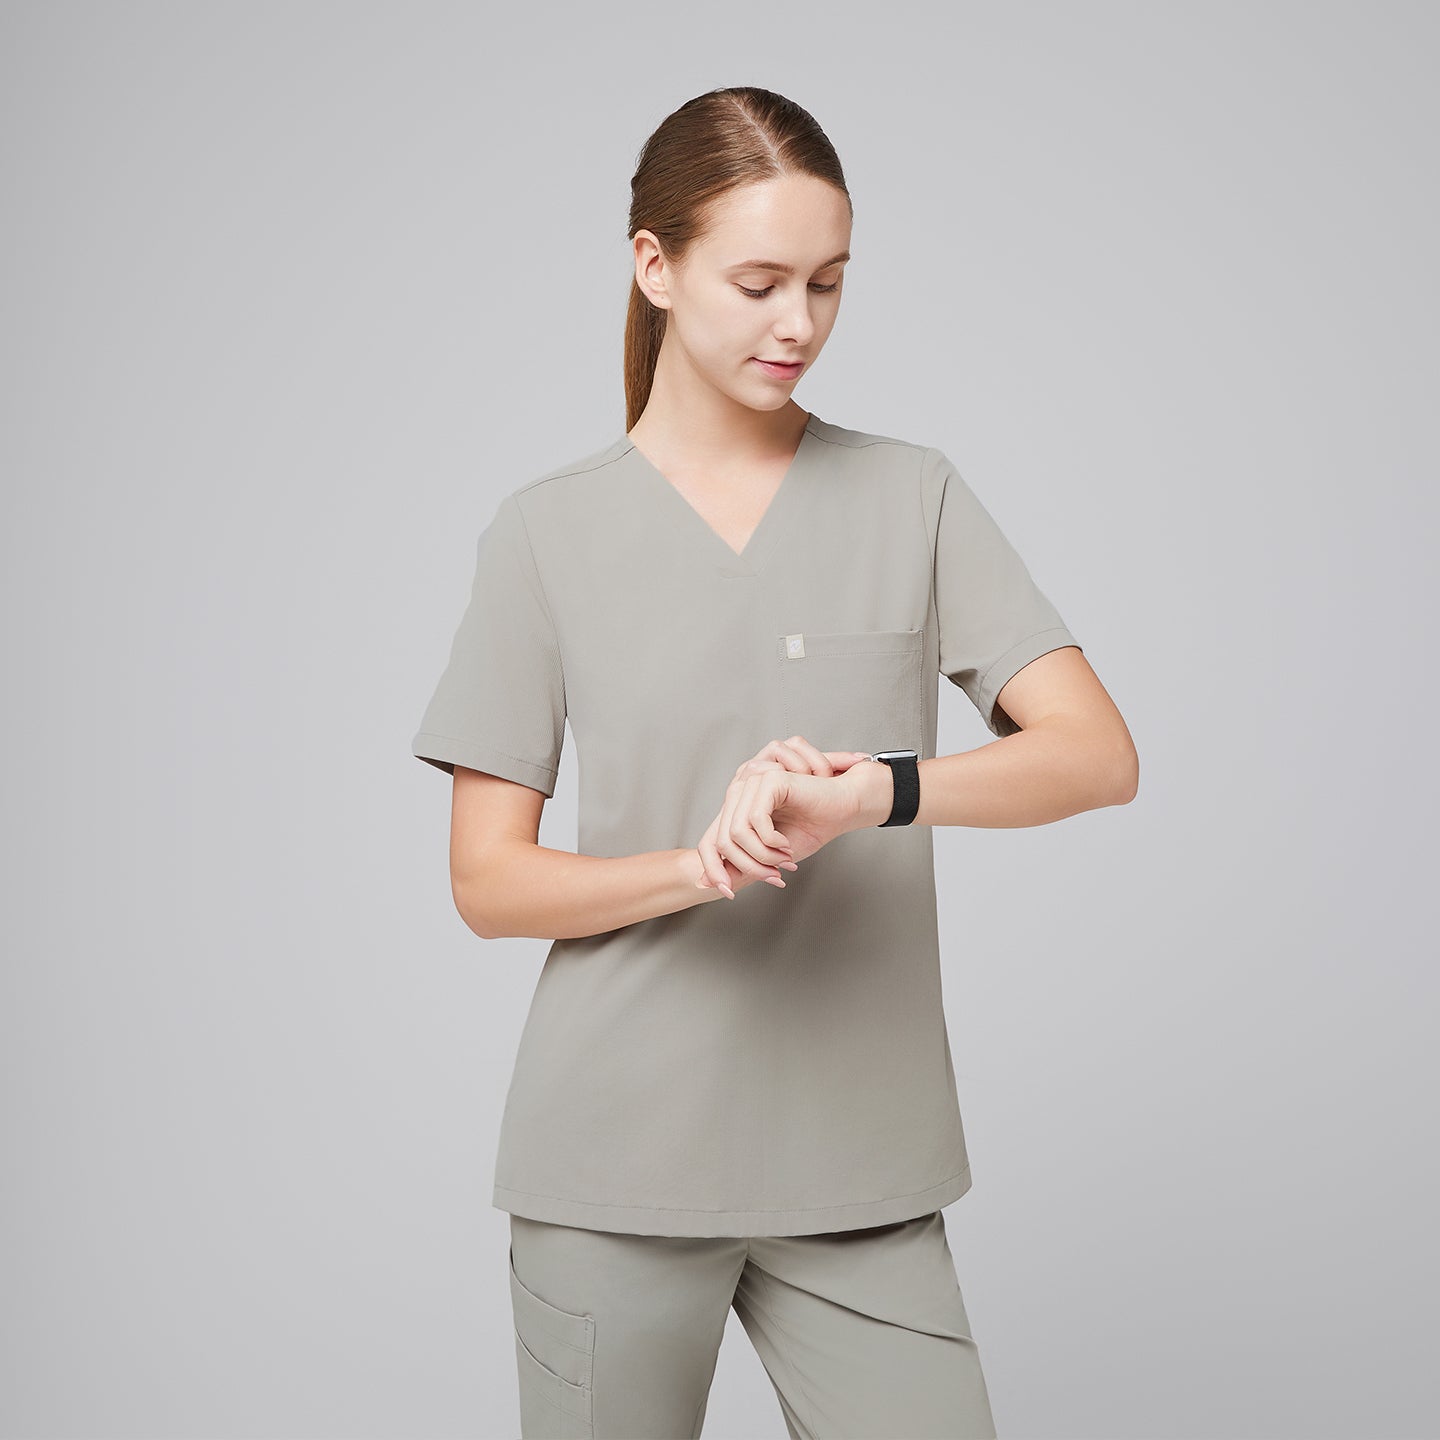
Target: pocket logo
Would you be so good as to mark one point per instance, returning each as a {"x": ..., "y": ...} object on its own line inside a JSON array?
[{"x": 795, "y": 647}]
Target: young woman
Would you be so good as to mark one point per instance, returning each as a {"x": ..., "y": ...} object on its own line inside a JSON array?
[{"x": 724, "y": 1098}]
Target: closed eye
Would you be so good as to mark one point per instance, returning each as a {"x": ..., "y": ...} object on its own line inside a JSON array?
[{"x": 761, "y": 294}]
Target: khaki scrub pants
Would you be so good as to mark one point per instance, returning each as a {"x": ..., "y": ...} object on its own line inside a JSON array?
[{"x": 863, "y": 1332}]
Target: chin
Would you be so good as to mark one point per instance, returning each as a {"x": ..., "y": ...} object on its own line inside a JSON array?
[{"x": 771, "y": 398}]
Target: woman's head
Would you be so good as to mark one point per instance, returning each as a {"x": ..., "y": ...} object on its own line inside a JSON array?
[{"x": 731, "y": 177}]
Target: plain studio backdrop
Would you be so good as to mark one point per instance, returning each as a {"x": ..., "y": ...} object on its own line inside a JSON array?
[{"x": 294, "y": 293}]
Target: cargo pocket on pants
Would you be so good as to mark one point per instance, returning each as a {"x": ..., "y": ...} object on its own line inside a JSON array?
[{"x": 555, "y": 1354}]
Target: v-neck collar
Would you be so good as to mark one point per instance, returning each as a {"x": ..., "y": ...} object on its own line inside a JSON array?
[{"x": 752, "y": 557}]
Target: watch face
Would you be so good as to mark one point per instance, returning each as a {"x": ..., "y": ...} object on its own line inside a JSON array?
[{"x": 895, "y": 755}]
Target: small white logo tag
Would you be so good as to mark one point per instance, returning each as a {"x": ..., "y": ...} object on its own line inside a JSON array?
[{"x": 795, "y": 647}]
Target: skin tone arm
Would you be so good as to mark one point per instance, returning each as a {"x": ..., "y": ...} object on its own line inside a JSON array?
[
  {"x": 1073, "y": 754},
  {"x": 506, "y": 883}
]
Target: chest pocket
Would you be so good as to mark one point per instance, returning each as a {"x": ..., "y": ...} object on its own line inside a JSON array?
[{"x": 853, "y": 689}]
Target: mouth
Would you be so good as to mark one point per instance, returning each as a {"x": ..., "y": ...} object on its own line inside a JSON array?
[{"x": 784, "y": 369}]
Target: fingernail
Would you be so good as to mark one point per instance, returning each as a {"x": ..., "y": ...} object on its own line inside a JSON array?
[
  {"x": 788, "y": 865},
  {"x": 728, "y": 891},
  {"x": 776, "y": 881}
]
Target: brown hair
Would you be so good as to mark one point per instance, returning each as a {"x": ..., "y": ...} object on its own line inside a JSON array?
[{"x": 711, "y": 144}]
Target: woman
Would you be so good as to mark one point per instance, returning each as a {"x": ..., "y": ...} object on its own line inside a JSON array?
[{"x": 739, "y": 606}]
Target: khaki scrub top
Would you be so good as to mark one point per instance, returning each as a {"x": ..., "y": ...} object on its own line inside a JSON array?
[{"x": 776, "y": 1064}]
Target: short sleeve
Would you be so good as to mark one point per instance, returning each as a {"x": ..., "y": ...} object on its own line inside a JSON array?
[
  {"x": 993, "y": 618},
  {"x": 499, "y": 705}
]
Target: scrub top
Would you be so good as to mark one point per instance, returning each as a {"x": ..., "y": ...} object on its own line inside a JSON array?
[{"x": 776, "y": 1064}]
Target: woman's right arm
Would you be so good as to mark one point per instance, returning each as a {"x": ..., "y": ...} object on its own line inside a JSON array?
[{"x": 505, "y": 883}]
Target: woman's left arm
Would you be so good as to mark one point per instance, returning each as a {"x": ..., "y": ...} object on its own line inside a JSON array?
[{"x": 1072, "y": 753}]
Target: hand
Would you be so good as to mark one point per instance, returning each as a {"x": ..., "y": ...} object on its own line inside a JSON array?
[{"x": 777, "y": 812}]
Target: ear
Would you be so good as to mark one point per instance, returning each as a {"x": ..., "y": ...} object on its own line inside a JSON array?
[{"x": 650, "y": 269}]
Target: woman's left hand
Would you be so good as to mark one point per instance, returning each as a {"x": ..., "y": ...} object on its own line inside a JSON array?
[{"x": 779, "y": 809}]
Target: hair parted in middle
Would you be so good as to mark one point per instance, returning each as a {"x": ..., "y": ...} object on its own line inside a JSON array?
[{"x": 712, "y": 144}]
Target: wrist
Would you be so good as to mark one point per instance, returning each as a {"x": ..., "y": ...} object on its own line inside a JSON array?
[{"x": 874, "y": 793}]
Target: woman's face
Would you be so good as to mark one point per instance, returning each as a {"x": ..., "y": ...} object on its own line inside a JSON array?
[{"x": 731, "y": 307}]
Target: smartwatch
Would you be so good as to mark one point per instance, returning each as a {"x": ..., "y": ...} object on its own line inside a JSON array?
[{"x": 905, "y": 772}]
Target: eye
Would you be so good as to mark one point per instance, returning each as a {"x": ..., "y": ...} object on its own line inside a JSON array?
[{"x": 761, "y": 294}]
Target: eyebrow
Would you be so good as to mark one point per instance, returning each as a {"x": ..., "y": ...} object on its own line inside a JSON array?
[{"x": 781, "y": 269}]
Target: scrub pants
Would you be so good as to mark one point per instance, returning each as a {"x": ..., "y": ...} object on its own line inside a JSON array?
[{"x": 862, "y": 1332}]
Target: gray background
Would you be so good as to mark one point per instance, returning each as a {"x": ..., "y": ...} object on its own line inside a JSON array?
[{"x": 294, "y": 293}]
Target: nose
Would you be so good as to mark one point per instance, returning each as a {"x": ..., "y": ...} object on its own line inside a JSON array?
[{"x": 795, "y": 327}]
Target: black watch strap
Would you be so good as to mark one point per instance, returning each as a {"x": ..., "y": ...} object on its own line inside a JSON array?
[{"x": 905, "y": 772}]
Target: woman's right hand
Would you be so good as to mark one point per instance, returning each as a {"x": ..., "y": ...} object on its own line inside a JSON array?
[{"x": 799, "y": 757}]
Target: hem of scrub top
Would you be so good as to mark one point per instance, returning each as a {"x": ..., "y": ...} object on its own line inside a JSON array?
[{"x": 648, "y": 1220}]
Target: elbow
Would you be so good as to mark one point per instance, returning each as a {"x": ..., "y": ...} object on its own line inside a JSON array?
[
  {"x": 1125, "y": 776},
  {"x": 1104, "y": 766},
  {"x": 483, "y": 892},
  {"x": 496, "y": 901},
  {"x": 477, "y": 917}
]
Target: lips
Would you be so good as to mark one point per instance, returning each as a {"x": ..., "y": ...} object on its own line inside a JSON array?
[{"x": 780, "y": 369}]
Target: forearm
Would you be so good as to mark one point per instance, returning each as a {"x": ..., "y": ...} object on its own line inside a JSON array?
[
  {"x": 549, "y": 894},
  {"x": 1053, "y": 769}
]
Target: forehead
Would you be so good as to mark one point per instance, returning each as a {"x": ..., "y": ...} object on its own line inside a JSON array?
[{"x": 792, "y": 220}]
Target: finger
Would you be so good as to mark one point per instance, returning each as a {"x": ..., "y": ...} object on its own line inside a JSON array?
[
  {"x": 730, "y": 812},
  {"x": 775, "y": 755},
  {"x": 731, "y": 816},
  {"x": 711, "y": 867},
  {"x": 714, "y": 865},
  {"x": 756, "y": 763},
  {"x": 760, "y": 757},
  {"x": 732, "y": 845},
  {"x": 735, "y": 854},
  {"x": 755, "y": 831},
  {"x": 775, "y": 843},
  {"x": 776, "y": 860},
  {"x": 817, "y": 761},
  {"x": 742, "y": 844},
  {"x": 766, "y": 829},
  {"x": 727, "y": 809},
  {"x": 729, "y": 874},
  {"x": 791, "y": 758}
]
